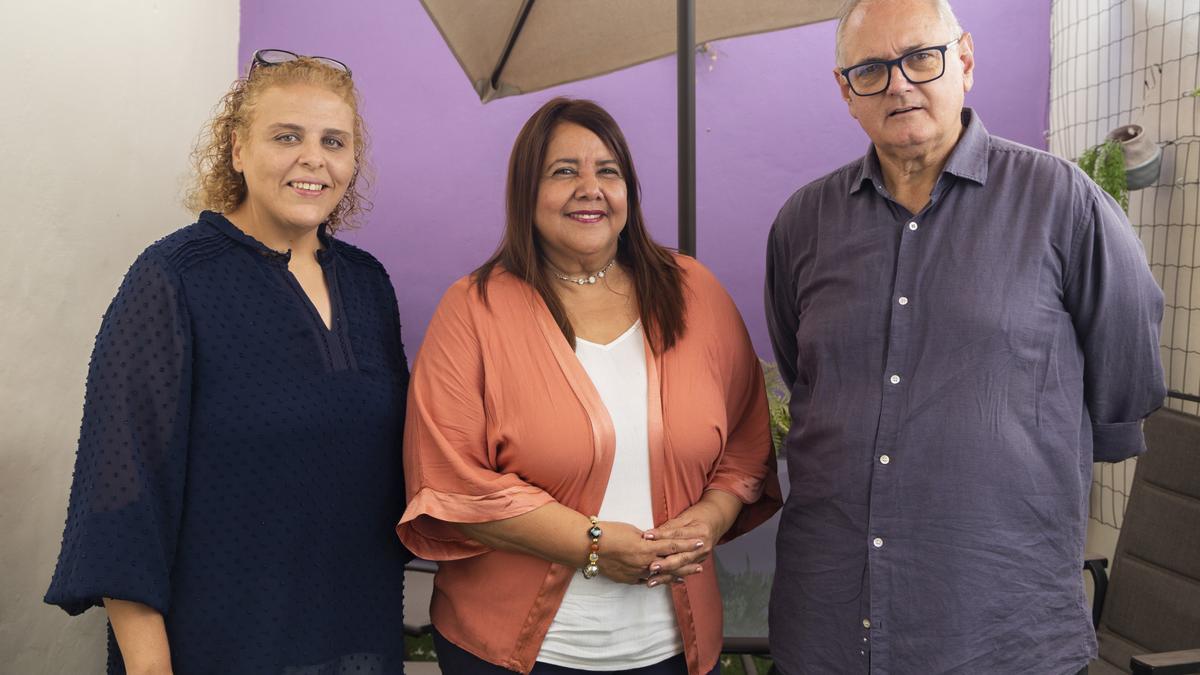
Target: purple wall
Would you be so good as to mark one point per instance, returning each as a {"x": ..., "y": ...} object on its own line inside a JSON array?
[{"x": 769, "y": 119}]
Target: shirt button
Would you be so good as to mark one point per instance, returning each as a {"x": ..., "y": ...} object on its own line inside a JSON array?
[
  {"x": 895, "y": 379},
  {"x": 866, "y": 623},
  {"x": 884, "y": 459},
  {"x": 912, "y": 226},
  {"x": 877, "y": 542},
  {"x": 903, "y": 300}
]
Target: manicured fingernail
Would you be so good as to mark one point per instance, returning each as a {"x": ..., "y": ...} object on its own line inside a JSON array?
[
  {"x": 699, "y": 544},
  {"x": 678, "y": 580},
  {"x": 655, "y": 567},
  {"x": 649, "y": 535},
  {"x": 652, "y": 584},
  {"x": 699, "y": 569}
]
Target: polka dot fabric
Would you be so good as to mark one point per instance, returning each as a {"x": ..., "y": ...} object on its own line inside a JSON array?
[{"x": 239, "y": 464}]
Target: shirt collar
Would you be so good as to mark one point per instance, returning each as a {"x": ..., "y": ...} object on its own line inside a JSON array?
[
  {"x": 227, "y": 228},
  {"x": 968, "y": 159}
]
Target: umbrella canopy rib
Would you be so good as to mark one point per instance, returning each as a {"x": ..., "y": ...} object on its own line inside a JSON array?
[{"x": 512, "y": 40}]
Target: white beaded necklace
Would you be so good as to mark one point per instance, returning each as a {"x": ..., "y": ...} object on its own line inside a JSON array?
[{"x": 586, "y": 278}]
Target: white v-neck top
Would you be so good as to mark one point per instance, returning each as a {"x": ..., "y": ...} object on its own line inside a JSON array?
[{"x": 601, "y": 624}]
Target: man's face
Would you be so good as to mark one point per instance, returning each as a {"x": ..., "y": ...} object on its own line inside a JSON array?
[{"x": 906, "y": 120}]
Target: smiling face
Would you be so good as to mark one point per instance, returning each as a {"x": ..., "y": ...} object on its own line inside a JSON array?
[
  {"x": 581, "y": 200},
  {"x": 297, "y": 157},
  {"x": 907, "y": 120}
]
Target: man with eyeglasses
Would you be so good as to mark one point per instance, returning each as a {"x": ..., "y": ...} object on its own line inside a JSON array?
[{"x": 965, "y": 324}]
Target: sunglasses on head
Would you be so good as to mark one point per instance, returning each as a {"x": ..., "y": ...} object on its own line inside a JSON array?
[{"x": 274, "y": 57}]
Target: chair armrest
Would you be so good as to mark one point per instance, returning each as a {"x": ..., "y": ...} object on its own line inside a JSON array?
[
  {"x": 421, "y": 565},
  {"x": 415, "y": 631},
  {"x": 1097, "y": 566},
  {"x": 746, "y": 645},
  {"x": 1184, "y": 662}
]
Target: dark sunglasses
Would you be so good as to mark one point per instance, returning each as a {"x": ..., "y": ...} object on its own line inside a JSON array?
[{"x": 274, "y": 57}]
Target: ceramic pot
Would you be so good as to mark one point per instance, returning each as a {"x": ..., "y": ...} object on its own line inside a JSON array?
[{"x": 1143, "y": 158}]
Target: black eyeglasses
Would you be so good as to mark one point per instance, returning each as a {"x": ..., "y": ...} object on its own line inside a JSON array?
[
  {"x": 274, "y": 57},
  {"x": 918, "y": 67}
]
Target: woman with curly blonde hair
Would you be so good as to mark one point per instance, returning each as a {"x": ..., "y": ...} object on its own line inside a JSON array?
[{"x": 238, "y": 470}]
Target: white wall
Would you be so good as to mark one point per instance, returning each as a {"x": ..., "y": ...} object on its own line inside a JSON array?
[{"x": 99, "y": 105}]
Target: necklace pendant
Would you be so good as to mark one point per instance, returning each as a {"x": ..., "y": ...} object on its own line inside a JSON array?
[{"x": 591, "y": 280}]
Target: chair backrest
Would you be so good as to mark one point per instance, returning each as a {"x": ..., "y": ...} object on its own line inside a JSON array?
[{"x": 1153, "y": 602}]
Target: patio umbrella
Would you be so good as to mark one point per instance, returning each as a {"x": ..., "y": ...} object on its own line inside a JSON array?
[{"x": 511, "y": 47}]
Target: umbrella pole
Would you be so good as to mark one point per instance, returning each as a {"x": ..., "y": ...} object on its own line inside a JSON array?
[{"x": 686, "y": 37}]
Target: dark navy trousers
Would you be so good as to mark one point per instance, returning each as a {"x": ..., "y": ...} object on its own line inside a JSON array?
[{"x": 454, "y": 660}]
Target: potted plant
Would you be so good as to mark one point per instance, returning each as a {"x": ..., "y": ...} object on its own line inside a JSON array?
[
  {"x": 1126, "y": 160},
  {"x": 1143, "y": 159},
  {"x": 1105, "y": 164}
]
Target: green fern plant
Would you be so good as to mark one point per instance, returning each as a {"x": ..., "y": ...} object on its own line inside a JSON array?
[
  {"x": 745, "y": 593},
  {"x": 778, "y": 398},
  {"x": 1105, "y": 164}
]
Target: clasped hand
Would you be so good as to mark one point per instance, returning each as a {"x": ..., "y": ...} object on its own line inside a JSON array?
[{"x": 669, "y": 552}]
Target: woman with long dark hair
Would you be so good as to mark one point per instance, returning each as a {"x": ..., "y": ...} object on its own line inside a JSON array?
[{"x": 587, "y": 420}]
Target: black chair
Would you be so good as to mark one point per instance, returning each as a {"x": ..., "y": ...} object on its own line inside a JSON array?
[
  {"x": 1147, "y": 613},
  {"x": 745, "y": 649}
]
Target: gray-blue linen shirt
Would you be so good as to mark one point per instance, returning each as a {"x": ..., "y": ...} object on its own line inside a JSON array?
[{"x": 954, "y": 374}]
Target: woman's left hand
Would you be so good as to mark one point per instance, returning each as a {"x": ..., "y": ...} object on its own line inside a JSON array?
[{"x": 695, "y": 531}]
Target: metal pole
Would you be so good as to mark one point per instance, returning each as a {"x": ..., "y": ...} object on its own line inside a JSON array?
[{"x": 685, "y": 31}]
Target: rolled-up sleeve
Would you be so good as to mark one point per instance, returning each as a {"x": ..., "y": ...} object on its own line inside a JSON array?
[
  {"x": 1116, "y": 308},
  {"x": 126, "y": 501},
  {"x": 450, "y": 446}
]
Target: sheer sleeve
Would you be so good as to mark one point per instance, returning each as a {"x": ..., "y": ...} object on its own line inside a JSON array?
[
  {"x": 126, "y": 496},
  {"x": 401, "y": 360}
]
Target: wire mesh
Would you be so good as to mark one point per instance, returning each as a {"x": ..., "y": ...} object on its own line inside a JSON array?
[{"x": 1117, "y": 62}]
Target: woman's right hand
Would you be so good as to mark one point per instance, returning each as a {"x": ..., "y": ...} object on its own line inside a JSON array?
[{"x": 626, "y": 555}]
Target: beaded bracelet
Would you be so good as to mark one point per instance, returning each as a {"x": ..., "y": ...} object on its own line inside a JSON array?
[{"x": 591, "y": 570}]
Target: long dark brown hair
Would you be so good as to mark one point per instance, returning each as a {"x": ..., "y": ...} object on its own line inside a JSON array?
[{"x": 657, "y": 278}]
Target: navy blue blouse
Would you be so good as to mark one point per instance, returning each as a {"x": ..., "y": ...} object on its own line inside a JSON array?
[{"x": 239, "y": 465}]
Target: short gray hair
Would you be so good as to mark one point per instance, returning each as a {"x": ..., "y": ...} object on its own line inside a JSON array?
[{"x": 945, "y": 13}]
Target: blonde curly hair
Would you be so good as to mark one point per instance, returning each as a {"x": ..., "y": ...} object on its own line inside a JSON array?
[{"x": 217, "y": 186}]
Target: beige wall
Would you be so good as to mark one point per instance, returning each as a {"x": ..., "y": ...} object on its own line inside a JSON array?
[{"x": 100, "y": 104}]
